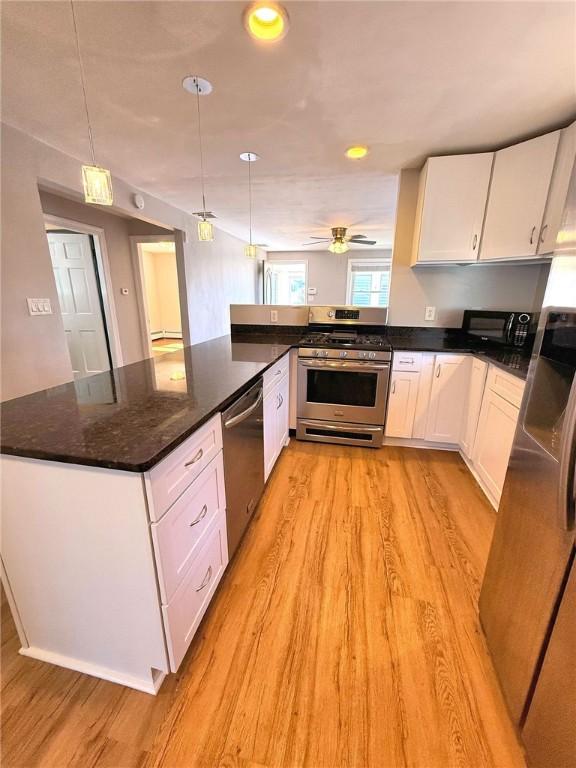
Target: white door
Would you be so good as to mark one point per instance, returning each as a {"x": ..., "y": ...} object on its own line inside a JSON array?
[
  {"x": 452, "y": 200},
  {"x": 517, "y": 198},
  {"x": 479, "y": 369},
  {"x": 402, "y": 404},
  {"x": 80, "y": 304},
  {"x": 447, "y": 399},
  {"x": 494, "y": 437}
]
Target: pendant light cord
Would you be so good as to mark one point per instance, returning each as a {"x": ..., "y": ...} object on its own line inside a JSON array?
[
  {"x": 83, "y": 81},
  {"x": 250, "y": 194},
  {"x": 201, "y": 153}
]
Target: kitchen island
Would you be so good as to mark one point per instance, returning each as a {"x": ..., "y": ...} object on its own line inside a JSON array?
[{"x": 114, "y": 510}]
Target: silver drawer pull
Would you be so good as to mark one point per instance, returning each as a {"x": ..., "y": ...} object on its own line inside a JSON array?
[
  {"x": 280, "y": 401},
  {"x": 206, "y": 579},
  {"x": 201, "y": 516},
  {"x": 195, "y": 459},
  {"x": 393, "y": 387},
  {"x": 278, "y": 372},
  {"x": 542, "y": 233},
  {"x": 532, "y": 235},
  {"x": 406, "y": 362},
  {"x": 438, "y": 369}
]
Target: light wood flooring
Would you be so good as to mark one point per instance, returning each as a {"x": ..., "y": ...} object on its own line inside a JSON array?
[{"x": 344, "y": 635}]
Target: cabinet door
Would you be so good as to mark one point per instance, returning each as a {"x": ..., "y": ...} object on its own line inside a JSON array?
[
  {"x": 478, "y": 372},
  {"x": 517, "y": 198},
  {"x": 402, "y": 404},
  {"x": 452, "y": 200},
  {"x": 283, "y": 414},
  {"x": 494, "y": 437},
  {"x": 270, "y": 431},
  {"x": 447, "y": 399},
  {"x": 558, "y": 189}
]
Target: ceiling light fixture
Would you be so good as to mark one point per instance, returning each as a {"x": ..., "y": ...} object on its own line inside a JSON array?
[
  {"x": 96, "y": 180},
  {"x": 250, "y": 250},
  {"x": 200, "y": 87},
  {"x": 338, "y": 246},
  {"x": 356, "y": 152},
  {"x": 266, "y": 21}
]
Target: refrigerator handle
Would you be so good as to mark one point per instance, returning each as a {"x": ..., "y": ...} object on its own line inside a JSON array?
[{"x": 567, "y": 475}]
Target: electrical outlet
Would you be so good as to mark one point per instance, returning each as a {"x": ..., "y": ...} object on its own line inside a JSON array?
[
  {"x": 430, "y": 313},
  {"x": 273, "y": 315},
  {"x": 39, "y": 306}
]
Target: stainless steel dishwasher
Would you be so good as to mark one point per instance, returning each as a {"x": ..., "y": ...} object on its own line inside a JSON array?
[{"x": 243, "y": 435}]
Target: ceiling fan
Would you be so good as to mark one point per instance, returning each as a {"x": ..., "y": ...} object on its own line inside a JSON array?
[{"x": 339, "y": 240}]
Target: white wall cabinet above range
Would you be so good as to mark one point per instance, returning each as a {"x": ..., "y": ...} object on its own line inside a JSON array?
[
  {"x": 517, "y": 199},
  {"x": 276, "y": 412},
  {"x": 558, "y": 190},
  {"x": 451, "y": 203}
]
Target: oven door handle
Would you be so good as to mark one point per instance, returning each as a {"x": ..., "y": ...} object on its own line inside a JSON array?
[
  {"x": 338, "y": 427},
  {"x": 347, "y": 366}
]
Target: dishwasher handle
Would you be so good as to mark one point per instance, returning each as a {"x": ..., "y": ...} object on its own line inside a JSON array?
[{"x": 229, "y": 423}]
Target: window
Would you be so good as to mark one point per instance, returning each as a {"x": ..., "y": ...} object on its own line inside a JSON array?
[
  {"x": 285, "y": 282},
  {"x": 368, "y": 282}
]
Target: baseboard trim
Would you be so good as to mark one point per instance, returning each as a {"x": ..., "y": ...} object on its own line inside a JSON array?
[
  {"x": 493, "y": 501},
  {"x": 146, "y": 685},
  {"x": 405, "y": 442}
]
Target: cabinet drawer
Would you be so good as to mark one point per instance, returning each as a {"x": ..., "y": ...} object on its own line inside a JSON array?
[
  {"x": 169, "y": 478},
  {"x": 184, "y": 612},
  {"x": 277, "y": 372},
  {"x": 179, "y": 534},
  {"x": 406, "y": 361},
  {"x": 506, "y": 385}
]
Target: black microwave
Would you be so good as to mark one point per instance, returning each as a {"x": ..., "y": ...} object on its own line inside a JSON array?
[{"x": 513, "y": 329}]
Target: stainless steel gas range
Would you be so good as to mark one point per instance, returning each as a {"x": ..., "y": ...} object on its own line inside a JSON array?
[{"x": 343, "y": 373}]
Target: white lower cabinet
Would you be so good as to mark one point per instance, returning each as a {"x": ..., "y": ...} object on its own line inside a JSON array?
[
  {"x": 447, "y": 398},
  {"x": 402, "y": 404},
  {"x": 494, "y": 437},
  {"x": 478, "y": 371},
  {"x": 276, "y": 413}
]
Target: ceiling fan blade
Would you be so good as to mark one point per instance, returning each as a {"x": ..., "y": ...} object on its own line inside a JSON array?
[
  {"x": 316, "y": 242},
  {"x": 358, "y": 237},
  {"x": 314, "y": 237},
  {"x": 364, "y": 242}
]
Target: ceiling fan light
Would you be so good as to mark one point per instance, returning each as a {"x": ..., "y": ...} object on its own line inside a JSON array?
[
  {"x": 97, "y": 184},
  {"x": 205, "y": 231},
  {"x": 267, "y": 21},
  {"x": 250, "y": 251},
  {"x": 338, "y": 247}
]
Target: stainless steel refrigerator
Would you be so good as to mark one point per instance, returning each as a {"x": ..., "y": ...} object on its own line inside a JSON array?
[{"x": 526, "y": 601}]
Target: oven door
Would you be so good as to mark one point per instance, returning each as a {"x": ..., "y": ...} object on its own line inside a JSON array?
[{"x": 334, "y": 390}]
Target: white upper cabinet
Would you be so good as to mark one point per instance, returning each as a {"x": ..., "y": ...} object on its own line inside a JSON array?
[
  {"x": 451, "y": 205},
  {"x": 558, "y": 190},
  {"x": 517, "y": 198}
]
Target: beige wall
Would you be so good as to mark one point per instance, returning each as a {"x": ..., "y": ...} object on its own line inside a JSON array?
[
  {"x": 452, "y": 289},
  {"x": 161, "y": 281},
  {"x": 34, "y": 351},
  {"x": 327, "y": 272}
]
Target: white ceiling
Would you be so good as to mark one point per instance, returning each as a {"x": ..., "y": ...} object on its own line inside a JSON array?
[{"x": 408, "y": 78}]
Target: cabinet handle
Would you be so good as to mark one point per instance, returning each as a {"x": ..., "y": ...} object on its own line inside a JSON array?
[
  {"x": 195, "y": 459},
  {"x": 393, "y": 387},
  {"x": 474, "y": 242},
  {"x": 280, "y": 401},
  {"x": 542, "y": 231},
  {"x": 406, "y": 362},
  {"x": 201, "y": 516},
  {"x": 438, "y": 367},
  {"x": 206, "y": 579},
  {"x": 278, "y": 372},
  {"x": 532, "y": 235}
]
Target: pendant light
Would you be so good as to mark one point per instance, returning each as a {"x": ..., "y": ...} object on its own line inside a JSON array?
[
  {"x": 200, "y": 87},
  {"x": 96, "y": 180},
  {"x": 250, "y": 157}
]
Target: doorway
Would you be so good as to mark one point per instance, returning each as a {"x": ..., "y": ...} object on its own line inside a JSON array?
[
  {"x": 80, "y": 266},
  {"x": 161, "y": 319}
]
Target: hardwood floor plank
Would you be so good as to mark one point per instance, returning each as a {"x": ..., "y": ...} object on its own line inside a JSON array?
[{"x": 344, "y": 634}]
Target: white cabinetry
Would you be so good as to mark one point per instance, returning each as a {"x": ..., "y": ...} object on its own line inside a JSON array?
[
  {"x": 451, "y": 204},
  {"x": 558, "y": 189},
  {"x": 402, "y": 403},
  {"x": 517, "y": 198},
  {"x": 447, "y": 398},
  {"x": 495, "y": 432},
  {"x": 276, "y": 412},
  {"x": 478, "y": 371}
]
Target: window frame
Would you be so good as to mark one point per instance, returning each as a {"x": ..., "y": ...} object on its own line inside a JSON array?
[
  {"x": 376, "y": 260},
  {"x": 288, "y": 261}
]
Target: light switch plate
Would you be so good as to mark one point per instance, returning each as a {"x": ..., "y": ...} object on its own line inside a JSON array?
[
  {"x": 273, "y": 315},
  {"x": 430, "y": 313},
  {"x": 39, "y": 306}
]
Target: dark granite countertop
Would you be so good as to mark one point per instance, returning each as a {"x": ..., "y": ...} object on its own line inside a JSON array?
[{"x": 133, "y": 416}]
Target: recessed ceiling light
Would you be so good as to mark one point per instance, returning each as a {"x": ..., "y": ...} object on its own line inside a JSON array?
[
  {"x": 356, "y": 152},
  {"x": 266, "y": 21}
]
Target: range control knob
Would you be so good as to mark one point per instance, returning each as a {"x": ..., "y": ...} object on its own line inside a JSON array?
[
  {"x": 372, "y": 355},
  {"x": 343, "y": 353},
  {"x": 331, "y": 313},
  {"x": 523, "y": 318},
  {"x": 362, "y": 355},
  {"x": 317, "y": 352}
]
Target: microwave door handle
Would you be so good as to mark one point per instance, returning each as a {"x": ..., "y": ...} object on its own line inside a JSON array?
[{"x": 508, "y": 331}]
